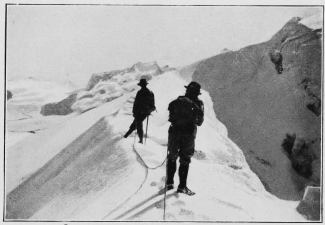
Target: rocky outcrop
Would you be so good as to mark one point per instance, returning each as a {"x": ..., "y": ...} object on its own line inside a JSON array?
[
  {"x": 60, "y": 108},
  {"x": 310, "y": 206},
  {"x": 304, "y": 156},
  {"x": 9, "y": 95},
  {"x": 225, "y": 50},
  {"x": 265, "y": 91}
]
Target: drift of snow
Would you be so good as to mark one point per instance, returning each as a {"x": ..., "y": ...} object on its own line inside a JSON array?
[{"x": 83, "y": 169}]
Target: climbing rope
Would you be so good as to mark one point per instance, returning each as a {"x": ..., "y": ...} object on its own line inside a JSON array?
[
  {"x": 135, "y": 136},
  {"x": 147, "y": 169},
  {"x": 143, "y": 162}
]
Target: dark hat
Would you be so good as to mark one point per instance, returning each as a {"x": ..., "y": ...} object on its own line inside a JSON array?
[
  {"x": 142, "y": 82},
  {"x": 194, "y": 87}
]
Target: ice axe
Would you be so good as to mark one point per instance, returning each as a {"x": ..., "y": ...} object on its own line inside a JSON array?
[{"x": 145, "y": 138}]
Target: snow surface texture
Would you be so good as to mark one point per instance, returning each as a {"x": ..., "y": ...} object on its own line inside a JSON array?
[{"x": 83, "y": 169}]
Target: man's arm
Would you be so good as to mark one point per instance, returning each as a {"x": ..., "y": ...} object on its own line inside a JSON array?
[
  {"x": 152, "y": 101},
  {"x": 199, "y": 113}
]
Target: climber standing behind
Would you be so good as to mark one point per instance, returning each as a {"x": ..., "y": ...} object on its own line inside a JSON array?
[
  {"x": 185, "y": 114},
  {"x": 144, "y": 104}
]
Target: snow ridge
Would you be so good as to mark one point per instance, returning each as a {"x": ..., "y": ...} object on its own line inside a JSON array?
[{"x": 87, "y": 171}]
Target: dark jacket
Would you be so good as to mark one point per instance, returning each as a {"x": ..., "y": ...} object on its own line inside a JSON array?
[
  {"x": 186, "y": 114},
  {"x": 144, "y": 102}
]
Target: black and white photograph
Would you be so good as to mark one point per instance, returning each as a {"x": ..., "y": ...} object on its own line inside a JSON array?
[{"x": 163, "y": 111}]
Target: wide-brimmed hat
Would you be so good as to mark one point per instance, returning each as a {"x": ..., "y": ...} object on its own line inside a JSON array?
[
  {"x": 142, "y": 82},
  {"x": 194, "y": 87}
]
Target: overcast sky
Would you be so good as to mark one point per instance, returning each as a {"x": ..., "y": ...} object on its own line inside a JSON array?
[{"x": 73, "y": 42}]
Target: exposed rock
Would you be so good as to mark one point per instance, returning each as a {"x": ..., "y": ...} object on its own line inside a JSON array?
[
  {"x": 263, "y": 161},
  {"x": 302, "y": 158},
  {"x": 276, "y": 58},
  {"x": 315, "y": 106},
  {"x": 9, "y": 95},
  {"x": 60, "y": 108},
  {"x": 225, "y": 50},
  {"x": 288, "y": 143},
  {"x": 310, "y": 206},
  {"x": 259, "y": 106}
]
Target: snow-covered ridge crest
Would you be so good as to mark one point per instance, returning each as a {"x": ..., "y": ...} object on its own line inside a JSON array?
[{"x": 86, "y": 170}]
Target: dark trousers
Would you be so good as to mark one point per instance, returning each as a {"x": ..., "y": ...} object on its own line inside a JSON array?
[
  {"x": 179, "y": 145},
  {"x": 137, "y": 124}
]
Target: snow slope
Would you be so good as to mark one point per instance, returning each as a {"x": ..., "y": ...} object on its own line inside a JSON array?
[{"x": 83, "y": 169}]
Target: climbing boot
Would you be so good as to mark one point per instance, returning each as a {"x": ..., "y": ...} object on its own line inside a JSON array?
[
  {"x": 185, "y": 191},
  {"x": 141, "y": 138}
]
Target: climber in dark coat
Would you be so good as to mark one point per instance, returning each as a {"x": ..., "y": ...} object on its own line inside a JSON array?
[
  {"x": 144, "y": 104},
  {"x": 185, "y": 114}
]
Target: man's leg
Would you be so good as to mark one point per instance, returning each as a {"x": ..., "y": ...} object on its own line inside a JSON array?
[
  {"x": 186, "y": 152},
  {"x": 139, "y": 121},
  {"x": 171, "y": 169},
  {"x": 183, "y": 172},
  {"x": 173, "y": 146},
  {"x": 131, "y": 129}
]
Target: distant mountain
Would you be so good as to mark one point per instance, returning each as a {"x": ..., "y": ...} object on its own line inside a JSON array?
[
  {"x": 29, "y": 94},
  {"x": 103, "y": 87},
  {"x": 269, "y": 97},
  {"x": 149, "y": 69}
]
